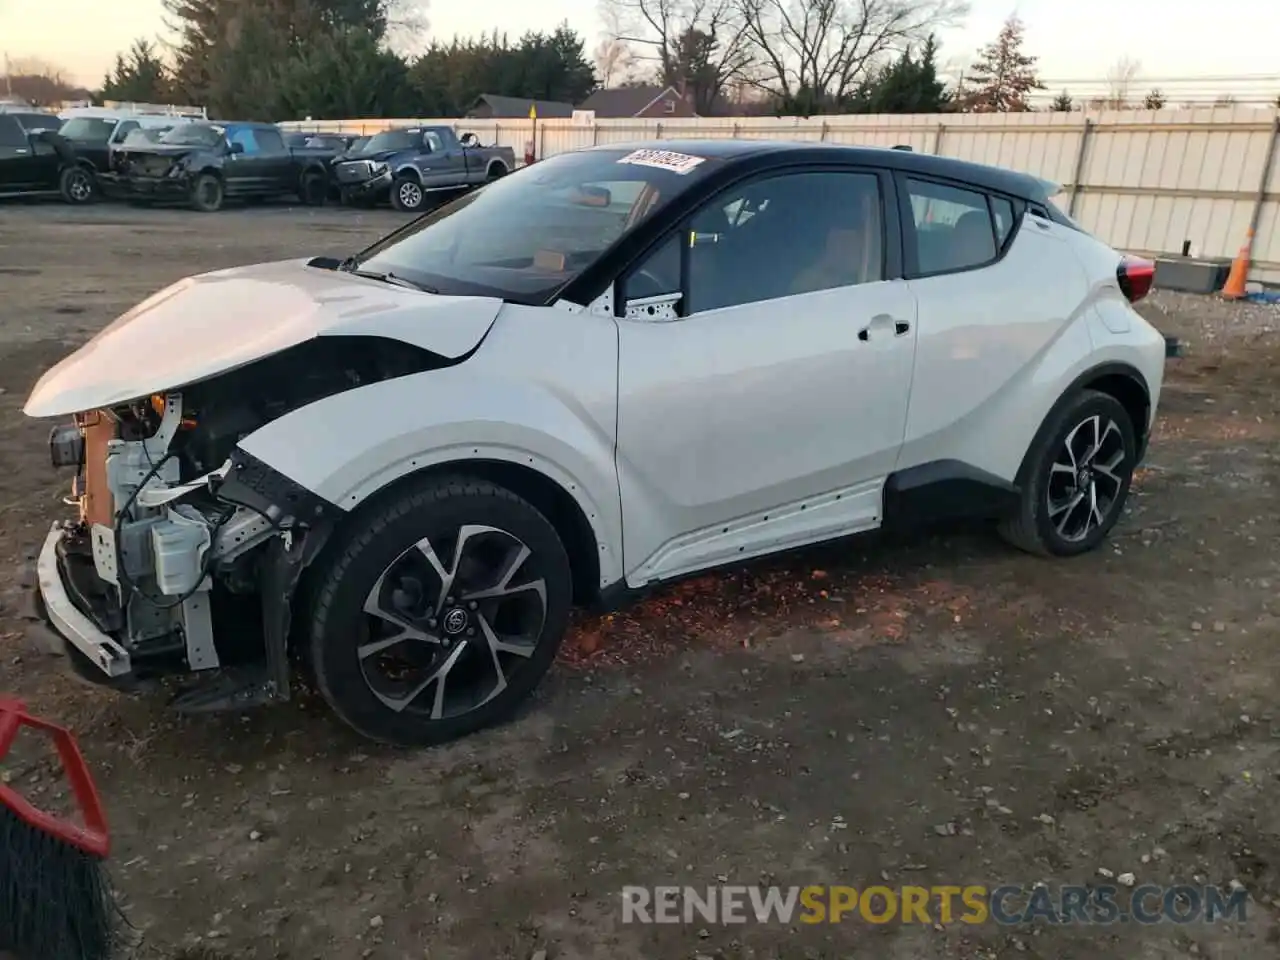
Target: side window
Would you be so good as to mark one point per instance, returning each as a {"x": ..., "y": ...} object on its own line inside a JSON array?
[
  {"x": 1002, "y": 210},
  {"x": 776, "y": 236},
  {"x": 786, "y": 235},
  {"x": 269, "y": 141},
  {"x": 11, "y": 133},
  {"x": 953, "y": 227},
  {"x": 433, "y": 141},
  {"x": 245, "y": 136},
  {"x": 123, "y": 129}
]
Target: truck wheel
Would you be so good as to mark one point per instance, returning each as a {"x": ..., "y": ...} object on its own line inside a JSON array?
[
  {"x": 207, "y": 193},
  {"x": 407, "y": 194},
  {"x": 314, "y": 190},
  {"x": 439, "y": 612},
  {"x": 78, "y": 185},
  {"x": 496, "y": 172}
]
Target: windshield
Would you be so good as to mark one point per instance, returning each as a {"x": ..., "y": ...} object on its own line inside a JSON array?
[
  {"x": 195, "y": 135},
  {"x": 525, "y": 236},
  {"x": 143, "y": 135},
  {"x": 88, "y": 129},
  {"x": 393, "y": 140}
]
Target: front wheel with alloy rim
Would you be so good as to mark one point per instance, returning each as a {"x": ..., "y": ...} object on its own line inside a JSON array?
[
  {"x": 78, "y": 185},
  {"x": 440, "y": 612},
  {"x": 407, "y": 194},
  {"x": 1077, "y": 480}
]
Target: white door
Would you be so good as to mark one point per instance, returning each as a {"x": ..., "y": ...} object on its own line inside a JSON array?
[{"x": 766, "y": 410}]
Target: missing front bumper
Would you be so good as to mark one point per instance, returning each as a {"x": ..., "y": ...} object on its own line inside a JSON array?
[{"x": 65, "y": 618}]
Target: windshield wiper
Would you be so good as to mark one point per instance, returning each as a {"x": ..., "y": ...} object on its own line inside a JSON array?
[{"x": 389, "y": 277}]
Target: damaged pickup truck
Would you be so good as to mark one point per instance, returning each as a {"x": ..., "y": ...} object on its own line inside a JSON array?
[{"x": 418, "y": 167}]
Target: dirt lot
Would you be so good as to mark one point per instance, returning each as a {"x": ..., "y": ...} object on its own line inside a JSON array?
[{"x": 935, "y": 711}]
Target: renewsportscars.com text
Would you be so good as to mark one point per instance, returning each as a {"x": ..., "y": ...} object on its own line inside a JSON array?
[{"x": 975, "y": 904}]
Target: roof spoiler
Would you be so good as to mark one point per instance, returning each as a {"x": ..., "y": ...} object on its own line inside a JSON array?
[{"x": 1051, "y": 188}]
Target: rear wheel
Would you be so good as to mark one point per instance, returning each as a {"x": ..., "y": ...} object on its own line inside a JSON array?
[
  {"x": 496, "y": 172},
  {"x": 1077, "y": 480},
  {"x": 441, "y": 614},
  {"x": 78, "y": 185},
  {"x": 207, "y": 193},
  {"x": 407, "y": 194}
]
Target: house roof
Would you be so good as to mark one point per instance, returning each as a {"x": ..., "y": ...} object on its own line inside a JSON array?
[
  {"x": 623, "y": 101},
  {"x": 504, "y": 108}
]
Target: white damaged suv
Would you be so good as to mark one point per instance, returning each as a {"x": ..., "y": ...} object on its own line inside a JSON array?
[{"x": 613, "y": 368}]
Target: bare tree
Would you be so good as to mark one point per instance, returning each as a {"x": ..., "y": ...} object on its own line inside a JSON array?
[
  {"x": 697, "y": 46},
  {"x": 1120, "y": 79},
  {"x": 407, "y": 27},
  {"x": 814, "y": 53},
  {"x": 614, "y": 62}
]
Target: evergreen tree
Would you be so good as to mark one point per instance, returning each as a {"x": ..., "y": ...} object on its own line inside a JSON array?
[
  {"x": 1062, "y": 103},
  {"x": 139, "y": 77},
  {"x": 1155, "y": 100},
  {"x": 1003, "y": 76},
  {"x": 907, "y": 85}
]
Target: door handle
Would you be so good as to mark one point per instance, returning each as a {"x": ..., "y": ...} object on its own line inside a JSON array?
[
  {"x": 881, "y": 321},
  {"x": 901, "y": 328}
]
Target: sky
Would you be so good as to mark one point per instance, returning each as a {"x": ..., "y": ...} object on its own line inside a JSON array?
[{"x": 1077, "y": 39}]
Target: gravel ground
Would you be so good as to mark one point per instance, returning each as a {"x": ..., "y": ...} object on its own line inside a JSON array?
[{"x": 935, "y": 710}]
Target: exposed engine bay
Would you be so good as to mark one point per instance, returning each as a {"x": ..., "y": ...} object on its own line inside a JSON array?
[{"x": 186, "y": 551}]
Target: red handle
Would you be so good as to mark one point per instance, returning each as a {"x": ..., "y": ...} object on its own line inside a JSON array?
[{"x": 92, "y": 838}]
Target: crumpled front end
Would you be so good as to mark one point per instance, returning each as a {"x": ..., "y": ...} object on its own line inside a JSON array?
[{"x": 168, "y": 567}]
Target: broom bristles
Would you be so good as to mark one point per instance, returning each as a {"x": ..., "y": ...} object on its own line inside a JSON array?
[{"x": 56, "y": 901}]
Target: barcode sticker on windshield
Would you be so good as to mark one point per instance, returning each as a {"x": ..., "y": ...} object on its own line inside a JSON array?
[{"x": 681, "y": 163}]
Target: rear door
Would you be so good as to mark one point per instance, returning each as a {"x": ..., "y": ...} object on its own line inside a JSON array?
[
  {"x": 445, "y": 165},
  {"x": 279, "y": 170},
  {"x": 995, "y": 288},
  {"x": 18, "y": 163}
]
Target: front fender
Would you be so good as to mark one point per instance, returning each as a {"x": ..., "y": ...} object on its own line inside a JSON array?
[{"x": 541, "y": 392}]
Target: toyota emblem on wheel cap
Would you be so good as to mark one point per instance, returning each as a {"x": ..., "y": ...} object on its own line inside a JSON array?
[{"x": 455, "y": 621}]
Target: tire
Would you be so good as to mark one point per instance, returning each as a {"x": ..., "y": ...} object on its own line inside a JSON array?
[
  {"x": 78, "y": 185},
  {"x": 1044, "y": 525},
  {"x": 495, "y": 172},
  {"x": 407, "y": 194},
  {"x": 382, "y": 563},
  {"x": 314, "y": 189},
  {"x": 207, "y": 193}
]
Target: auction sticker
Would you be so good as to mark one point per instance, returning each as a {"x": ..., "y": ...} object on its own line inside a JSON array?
[{"x": 680, "y": 163}]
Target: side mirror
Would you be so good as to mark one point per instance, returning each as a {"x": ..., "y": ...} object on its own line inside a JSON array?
[
  {"x": 469, "y": 140},
  {"x": 235, "y": 148}
]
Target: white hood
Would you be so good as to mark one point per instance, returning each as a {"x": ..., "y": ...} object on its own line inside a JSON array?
[{"x": 209, "y": 324}]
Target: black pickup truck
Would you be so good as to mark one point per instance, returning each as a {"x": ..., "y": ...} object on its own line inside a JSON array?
[
  {"x": 206, "y": 164},
  {"x": 35, "y": 163}
]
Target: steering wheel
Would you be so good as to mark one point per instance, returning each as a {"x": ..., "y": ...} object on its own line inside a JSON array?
[{"x": 652, "y": 286}]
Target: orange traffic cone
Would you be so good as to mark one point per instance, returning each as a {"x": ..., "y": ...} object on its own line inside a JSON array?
[{"x": 1234, "y": 288}]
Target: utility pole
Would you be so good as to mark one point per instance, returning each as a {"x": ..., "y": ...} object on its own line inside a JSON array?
[{"x": 8, "y": 76}]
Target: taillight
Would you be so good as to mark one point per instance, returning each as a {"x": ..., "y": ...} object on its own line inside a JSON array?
[{"x": 1135, "y": 276}]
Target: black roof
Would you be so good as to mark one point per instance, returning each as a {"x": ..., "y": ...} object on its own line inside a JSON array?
[
  {"x": 991, "y": 178},
  {"x": 517, "y": 108}
]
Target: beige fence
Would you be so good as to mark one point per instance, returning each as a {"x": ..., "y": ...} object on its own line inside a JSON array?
[{"x": 1146, "y": 181}]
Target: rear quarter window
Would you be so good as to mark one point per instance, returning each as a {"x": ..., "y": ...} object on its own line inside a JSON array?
[{"x": 954, "y": 229}]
